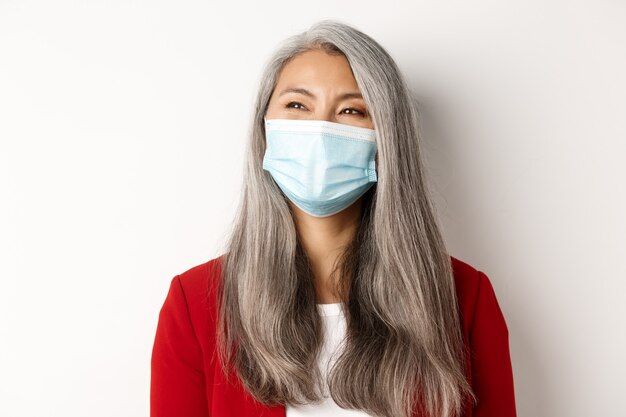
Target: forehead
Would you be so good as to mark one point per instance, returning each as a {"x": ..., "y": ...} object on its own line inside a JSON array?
[{"x": 318, "y": 70}]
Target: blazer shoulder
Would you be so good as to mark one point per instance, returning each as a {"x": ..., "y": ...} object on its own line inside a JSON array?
[
  {"x": 467, "y": 280},
  {"x": 199, "y": 279},
  {"x": 466, "y": 277},
  {"x": 199, "y": 284},
  {"x": 475, "y": 293}
]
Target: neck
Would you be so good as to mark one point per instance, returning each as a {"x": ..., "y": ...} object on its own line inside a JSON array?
[{"x": 324, "y": 239}]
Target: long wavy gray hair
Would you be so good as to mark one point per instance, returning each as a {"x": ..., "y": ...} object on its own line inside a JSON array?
[{"x": 404, "y": 348}]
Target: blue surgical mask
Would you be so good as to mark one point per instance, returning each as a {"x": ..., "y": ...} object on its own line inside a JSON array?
[{"x": 322, "y": 167}]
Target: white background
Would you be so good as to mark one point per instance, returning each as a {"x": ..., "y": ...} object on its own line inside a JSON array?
[{"x": 122, "y": 132}]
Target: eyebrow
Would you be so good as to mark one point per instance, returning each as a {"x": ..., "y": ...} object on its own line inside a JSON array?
[{"x": 299, "y": 90}]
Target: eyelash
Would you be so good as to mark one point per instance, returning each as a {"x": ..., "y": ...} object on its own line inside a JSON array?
[{"x": 347, "y": 108}]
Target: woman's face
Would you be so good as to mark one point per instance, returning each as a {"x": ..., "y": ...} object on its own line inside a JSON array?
[{"x": 318, "y": 86}]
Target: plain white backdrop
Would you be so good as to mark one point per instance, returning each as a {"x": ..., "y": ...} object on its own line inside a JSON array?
[{"x": 122, "y": 132}]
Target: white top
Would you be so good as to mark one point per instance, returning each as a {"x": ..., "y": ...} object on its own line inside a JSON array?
[{"x": 334, "y": 332}]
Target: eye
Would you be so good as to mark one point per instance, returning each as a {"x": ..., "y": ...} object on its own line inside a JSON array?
[
  {"x": 362, "y": 113},
  {"x": 289, "y": 105}
]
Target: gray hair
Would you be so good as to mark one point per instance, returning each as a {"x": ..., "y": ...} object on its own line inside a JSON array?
[{"x": 404, "y": 346}]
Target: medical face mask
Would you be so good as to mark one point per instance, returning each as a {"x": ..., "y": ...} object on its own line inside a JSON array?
[{"x": 322, "y": 167}]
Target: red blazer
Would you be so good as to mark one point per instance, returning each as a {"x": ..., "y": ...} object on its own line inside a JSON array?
[{"x": 186, "y": 381}]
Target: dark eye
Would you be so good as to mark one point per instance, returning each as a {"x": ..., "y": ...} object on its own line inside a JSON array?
[
  {"x": 356, "y": 110},
  {"x": 289, "y": 105}
]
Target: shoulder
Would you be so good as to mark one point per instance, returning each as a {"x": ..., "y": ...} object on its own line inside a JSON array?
[
  {"x": 466, "y": 279},
  {"x": 473, "y": 289},
  {"x": 198, "y": 281},
  {"x": 198, "y": 286}
]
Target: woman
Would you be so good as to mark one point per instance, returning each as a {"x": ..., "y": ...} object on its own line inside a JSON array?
[{"x": 336, "y": 296}]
